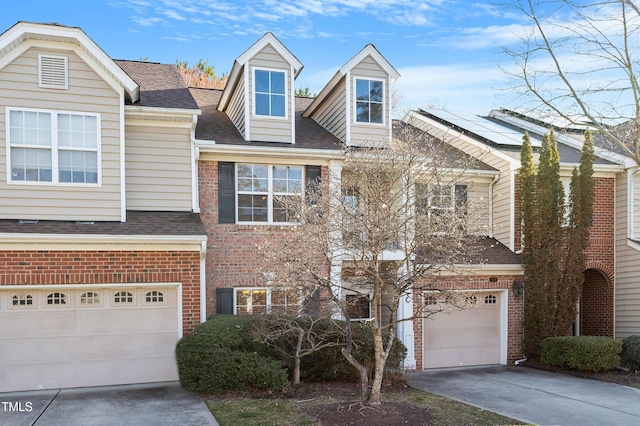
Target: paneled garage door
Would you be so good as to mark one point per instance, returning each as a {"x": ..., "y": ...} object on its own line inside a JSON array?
[
  {"x": 87, "y": 336},
  {"x": 467, "y": 337}
]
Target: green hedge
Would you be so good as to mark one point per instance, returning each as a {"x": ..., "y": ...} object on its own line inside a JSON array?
[
  {"x": 630, "y": 356},
  {"x": 330, "y": 365},
  {"x": 587, "y": 353},
  {"x": 220, "y": 355}
]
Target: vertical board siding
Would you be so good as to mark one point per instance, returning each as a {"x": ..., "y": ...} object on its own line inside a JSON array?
[
  {"x": 158, "y": 168},
  {"x": 87, "y": 93},
  {"x": 271, "y": 129}
]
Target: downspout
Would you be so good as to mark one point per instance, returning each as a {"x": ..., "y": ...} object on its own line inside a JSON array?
[
  {"x": 495, "y": 179},
  {"x": 195, "y": 156},
  {"x": 203, "y": 281},
  {"x": 630, "y": 210}
]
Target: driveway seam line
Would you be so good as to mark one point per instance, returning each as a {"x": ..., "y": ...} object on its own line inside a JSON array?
[{"x": 46, "y": 408}]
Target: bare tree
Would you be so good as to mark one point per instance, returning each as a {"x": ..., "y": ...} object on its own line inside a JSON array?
[
  {"x": 384, "y": 228},
  {"x": 304, "y": 334},
  {"x": 202, "y": 75},
  {"x": 581, "y": 61}
]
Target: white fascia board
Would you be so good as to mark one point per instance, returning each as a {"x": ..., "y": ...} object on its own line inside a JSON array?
[
  {"x": 370, "y": 50},
  {"x": 270, "y": 39},
  {"x": 486, "y": 269},
  {"x": 412, "y": 115},
  {"x": 209, "y": 147},
  {"x": 160, "y": 112},
  {"x": 24, "y": 28},
  {"x": 23, "y": 287},
  {"x": 335, "y": 80}
]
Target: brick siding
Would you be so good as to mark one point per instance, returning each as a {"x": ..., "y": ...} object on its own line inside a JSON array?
[{"x": 21, "y": 267}]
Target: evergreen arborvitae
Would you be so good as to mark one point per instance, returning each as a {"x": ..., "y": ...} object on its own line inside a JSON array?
[{"x": 554, "y": 250}]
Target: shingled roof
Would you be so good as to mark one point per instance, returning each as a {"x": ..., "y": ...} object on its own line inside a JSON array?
[
  {"x": 161, "y": 85},
  {"x": 216, "y": 126},
  {"x": 139, "y": 223}
]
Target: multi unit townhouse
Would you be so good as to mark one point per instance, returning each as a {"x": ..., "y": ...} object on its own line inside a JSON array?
[{"x": 131, "y": 207}]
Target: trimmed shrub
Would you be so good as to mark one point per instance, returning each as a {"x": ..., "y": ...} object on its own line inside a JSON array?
[
  {"x": 330, "y": 365},
  {"x": 630, "y": 356},
  {"x": 587, "y": 353},
  {"x": 221, "y": 356}
]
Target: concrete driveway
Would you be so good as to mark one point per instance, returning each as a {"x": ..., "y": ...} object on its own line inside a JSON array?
[
  {"x": 149, "y": 404},
  {"x": 535, "y": 396}
]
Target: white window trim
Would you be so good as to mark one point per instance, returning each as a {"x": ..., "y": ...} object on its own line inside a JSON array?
[
  {"x": 269, "y": 304},
  {"x": 385, "y": 106},
  {"x": 368, "y": 295},
  {"x": 22, "y": 295},
  {"x": 100, "y": 296},
  {"x": 66, "y": 73},
  {"x": 67, "y": 296},
  {"x": 432, "y": 207},
  {"x": 270, "y": 193},
  {"x": 55, "y": 181},
  {"x": 164, "y": 293},
  {"x": 254, "y": 93},
  {"x": 115, "y": 304}
]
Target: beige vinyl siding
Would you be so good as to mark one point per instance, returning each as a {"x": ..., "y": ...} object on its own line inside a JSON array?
[
  {"x": 158, "y": 168},
  {"x": 636, "y": 205},
  {"x": 276, "y": 129},
  {"x": 363, "y": 133},
  {"x": 237, "y": 106},
  {"x": 331, "y": 114},
  {"x": 627, "y": 285},
  {"x": 478, "y": 207},
  {"x": 87, "y": 93}
]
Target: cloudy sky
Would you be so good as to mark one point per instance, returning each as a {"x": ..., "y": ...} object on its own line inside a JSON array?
[{"x": 448, "y": 52}]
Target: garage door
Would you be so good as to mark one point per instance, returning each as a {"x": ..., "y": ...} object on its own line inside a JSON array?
[
  {"x": 87, "y": 336},
  {"x": 466, "y": 337}
]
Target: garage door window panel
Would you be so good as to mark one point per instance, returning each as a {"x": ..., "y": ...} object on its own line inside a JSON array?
[
  {"x": 90, "y": 298},
  {"x": 154, "y": 297},
  {"x": 57, "y": 299},
  {"x": 124, "y": 298},
  {"x": 23, "y": 300}
]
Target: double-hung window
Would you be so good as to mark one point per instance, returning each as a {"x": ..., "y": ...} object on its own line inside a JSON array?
[
  {"x": 369, "y": 101},
  {"x": 53, "y": 147},
  {"x": 443, "y": 205},
  {"x": 270, "y": 93},
  {"x": 266, "y": 301},
  {"x": 263, "y": 191}
]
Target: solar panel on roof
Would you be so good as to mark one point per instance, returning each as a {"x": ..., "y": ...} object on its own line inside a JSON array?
[{"x": 486, "y": 129}]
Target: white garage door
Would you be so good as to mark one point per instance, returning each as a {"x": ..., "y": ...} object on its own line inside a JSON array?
[
  {"x": 466, "y": 337},
  {"x": 87, "y": 336}
]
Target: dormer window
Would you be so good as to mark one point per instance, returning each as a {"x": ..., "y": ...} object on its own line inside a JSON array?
[
  {"x": 369, "y": 101},
  {"x": 270, "y": 93}
]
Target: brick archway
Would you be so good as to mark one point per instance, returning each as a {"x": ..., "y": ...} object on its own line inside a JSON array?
[{"x": 597, "y": 304}]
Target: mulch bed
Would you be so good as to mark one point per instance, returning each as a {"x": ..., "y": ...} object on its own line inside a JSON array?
[{"x": 626, "y": 378}]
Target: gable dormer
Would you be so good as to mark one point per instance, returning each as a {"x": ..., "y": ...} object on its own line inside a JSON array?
[
  {"x": 356, "y": 104},
  {"x": 259, "y": 96}
]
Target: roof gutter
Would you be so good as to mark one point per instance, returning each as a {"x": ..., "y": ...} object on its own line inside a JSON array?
[{"x": 205, "y": 146}]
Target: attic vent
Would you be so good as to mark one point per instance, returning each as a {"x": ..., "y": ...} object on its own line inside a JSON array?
[{"x": 53, "y": 72}]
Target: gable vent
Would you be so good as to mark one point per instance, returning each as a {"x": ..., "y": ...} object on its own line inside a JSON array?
[{"x": 52, "y": 72}]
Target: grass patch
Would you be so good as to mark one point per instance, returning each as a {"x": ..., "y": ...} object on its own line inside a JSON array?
[{"x": 248, "y": 411}]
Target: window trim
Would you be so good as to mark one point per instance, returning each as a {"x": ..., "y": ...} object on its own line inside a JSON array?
[
  {"x": 354, "y": 97},
  {"x": 254, "y": 92},
  {"x": 55, "y": 149},
  {"x": 357, "y": 295},
  {"x": 132, "y": 292},
  {"x": 22, "y": 296},
  {"x": 270, "y": 192},
  {"x": 63, "y": 296},
  {"x": 160, "y": 292},
  {"x": 268, "y": 299},
  {"x": 90, "y": 298}
]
